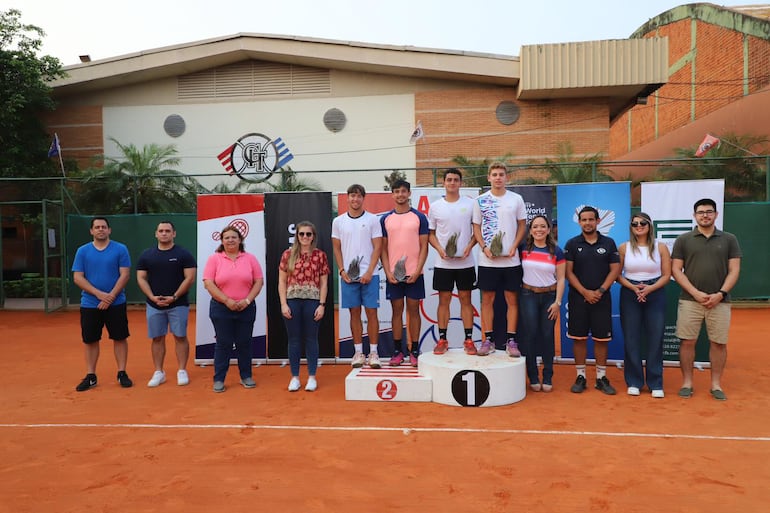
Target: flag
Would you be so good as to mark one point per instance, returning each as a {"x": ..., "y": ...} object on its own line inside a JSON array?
[
  {"x": 417, "y": 134},
  {"x": 284, "y": 155},
  {"x": 708, "y": 142},
  {"x": 226, "y": 160},
  {"x": 55, "y": 149}
]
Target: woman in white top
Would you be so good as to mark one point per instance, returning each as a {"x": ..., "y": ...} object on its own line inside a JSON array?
[
  {"x": 543, "y": 266},
  {"x": 646, "y": 269}
]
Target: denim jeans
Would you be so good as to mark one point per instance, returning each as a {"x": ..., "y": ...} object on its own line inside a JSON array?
[
  {"x": 232, "y": 328},
  {"x": 643, "y": 322},
  {"x": 536, "y": 332},
  {"x": 302, "y": 330}
]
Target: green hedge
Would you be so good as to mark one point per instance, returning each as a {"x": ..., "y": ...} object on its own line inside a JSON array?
[{"x": 32, "y": 287}]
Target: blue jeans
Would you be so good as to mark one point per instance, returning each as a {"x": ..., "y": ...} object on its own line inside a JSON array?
[
  {"x": 643, "y": 322},
  {"x": 232, "y": 329},
  {"x": 302, "y": 330},
  {"x": 536, "y": 332}
]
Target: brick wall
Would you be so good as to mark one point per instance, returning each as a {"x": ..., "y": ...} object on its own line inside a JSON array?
[
  {"x": 718, "y": 64},
  {"x": 463, "y": 122},
  {"x": 80, "y": 132}
]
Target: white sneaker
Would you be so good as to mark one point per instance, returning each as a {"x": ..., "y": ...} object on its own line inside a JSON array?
[
  {"x": 182, "y": 378},
  {"x": 157, "y": 378},
  {"x": 294, "y": 384},
  {"x": 358, "y": 360},
  {"x": 312, "y": 384},
  {"x": 633, "y": 391},
  {"x": 658, "y": 394},
  {"x": 374, "y": 360}
]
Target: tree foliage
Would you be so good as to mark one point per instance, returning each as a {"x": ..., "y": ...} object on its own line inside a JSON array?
[
  {"x": 392, "y": 178},
  {"x": 24, "y": 95},
  {"x": 567, "y": 168},
  {"x": 744, "y": 175},
  {"x": 140, "y": 180}
]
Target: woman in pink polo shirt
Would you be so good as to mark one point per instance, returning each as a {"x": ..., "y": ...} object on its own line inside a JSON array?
[{"x": 233, "y": 277}]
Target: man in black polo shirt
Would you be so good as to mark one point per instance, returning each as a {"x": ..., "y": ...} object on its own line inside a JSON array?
[{"x": 593, "y": 264}]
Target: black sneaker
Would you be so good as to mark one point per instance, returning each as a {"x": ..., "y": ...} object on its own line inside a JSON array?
[
  {"x": 579, "y": 386},
  {"x": 604, "y": 385},
  {"x": 124, "y": 380},
  {"x": 88, "y": 382}
]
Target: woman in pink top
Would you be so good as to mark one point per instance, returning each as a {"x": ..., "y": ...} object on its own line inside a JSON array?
[
  {"x": 303, "y": 278},
  {"x": 233, "y": 278}
]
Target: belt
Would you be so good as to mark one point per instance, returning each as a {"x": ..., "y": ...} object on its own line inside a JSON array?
[
  {"x": 539, "y": 290},
  {"x": 645, "y": 282}
]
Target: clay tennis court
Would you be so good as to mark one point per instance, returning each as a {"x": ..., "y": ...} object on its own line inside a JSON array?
[{"x": 187, "y": 449}]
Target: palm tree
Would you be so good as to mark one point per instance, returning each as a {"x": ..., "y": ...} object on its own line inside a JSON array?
[
  {"x": 475, "y": 171},
  {"x": 566, "y": 168},
  {"x": 744, "y": 176},
  {"x": 289, "y": 182},
  {"x": 139, "y": 181}
]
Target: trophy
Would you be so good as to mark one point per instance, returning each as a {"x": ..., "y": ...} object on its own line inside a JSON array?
[
  {"x": 399, "y": 270},
  {"x": 496, "y": 246},
  {"x": 451, "y": 246},
  {"x": 354, "y": 269}
]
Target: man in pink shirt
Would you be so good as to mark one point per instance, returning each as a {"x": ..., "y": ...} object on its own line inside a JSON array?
[{"x": 404, "y": 251}]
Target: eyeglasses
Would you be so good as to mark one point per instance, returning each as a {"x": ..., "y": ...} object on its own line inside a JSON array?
[
  {"x": 640, "y": 223},
  {"x": 305, "y": 234},
  {"x": 705, "y": 212}
]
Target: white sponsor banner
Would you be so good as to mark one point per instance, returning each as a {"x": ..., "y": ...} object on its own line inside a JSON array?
[{"x": 670, "y": 205}]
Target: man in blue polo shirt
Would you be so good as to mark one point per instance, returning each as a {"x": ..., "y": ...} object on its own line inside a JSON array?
[
  {"x": 101, "y": 269},
  {"x": 593, "y": 264}
]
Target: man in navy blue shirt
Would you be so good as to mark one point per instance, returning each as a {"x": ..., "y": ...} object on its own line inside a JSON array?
[
  {"x": 593, "y": 264},
  {"x": 165, "y": 274}
]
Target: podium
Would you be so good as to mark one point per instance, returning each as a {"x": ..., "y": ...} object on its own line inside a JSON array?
[{"x": 454, "y": 378}]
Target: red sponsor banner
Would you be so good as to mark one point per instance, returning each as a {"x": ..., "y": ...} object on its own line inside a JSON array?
[{"x": 212, "y": 206}]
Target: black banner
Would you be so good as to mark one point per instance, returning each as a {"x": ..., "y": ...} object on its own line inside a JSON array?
[{"x": 282, "y": 211}]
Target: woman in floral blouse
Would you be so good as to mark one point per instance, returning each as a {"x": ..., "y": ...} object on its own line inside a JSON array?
[{"x": 303, "y": 278}]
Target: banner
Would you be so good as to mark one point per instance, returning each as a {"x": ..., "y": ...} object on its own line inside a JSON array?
[
  {"x": 215, "y": 212},
  {"x": 282, "y": 211},
  {"x": 670, "y": 205},
  {"x": 613, "y": 201}
]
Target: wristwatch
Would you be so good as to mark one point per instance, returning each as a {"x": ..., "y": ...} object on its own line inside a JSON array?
[
  {"x": 173, "y": 297},
  {"x": 602, "y": 290},
  {"x": 724, "y": 294}
]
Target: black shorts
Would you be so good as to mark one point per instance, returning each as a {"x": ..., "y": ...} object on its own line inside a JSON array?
[
  {"x": 92, "y": 320},
  {"x": 494, "y": 278},
  {"x": 585, "y": 318},
  {"x": 444, "y": 280}
]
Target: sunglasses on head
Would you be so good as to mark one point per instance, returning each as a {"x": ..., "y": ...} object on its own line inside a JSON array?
[
  {"x": 305, "y": 234},
  {"x": 639, "y": 223}
]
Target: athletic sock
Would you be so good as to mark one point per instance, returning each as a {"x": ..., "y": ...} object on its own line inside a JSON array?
[
  {"x": 469, "y": 333},
  {"x": 415, "y": 348},
  {"x": 442, "y": 333},
  {"x": 359, "y": 347},
  {"x": 601, "y": 371},
  {"x": 488, "y": 334},
  {"x": 510, "y": 335},
  {"x": 581, "y": 370},
  {"x": 398, "y": 345},
  {"x": 372, "y": 348}
]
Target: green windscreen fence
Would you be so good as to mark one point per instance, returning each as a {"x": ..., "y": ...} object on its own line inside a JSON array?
[{"x": 137, "y": 232}]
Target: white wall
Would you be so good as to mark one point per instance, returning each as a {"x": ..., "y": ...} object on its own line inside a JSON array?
[{"x": 376, "y": 135}]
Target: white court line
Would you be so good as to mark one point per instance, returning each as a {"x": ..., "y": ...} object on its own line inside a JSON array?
[{"x": 405, "y": 430}]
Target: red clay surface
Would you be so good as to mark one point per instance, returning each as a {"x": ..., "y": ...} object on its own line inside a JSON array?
[{"x": 187, "y": 449}]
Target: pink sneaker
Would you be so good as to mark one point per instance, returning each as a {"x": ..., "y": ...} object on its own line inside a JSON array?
[
  {"x": 441, "y": 346},
  {"x": 397, "y": 359},
  {"x": 412, "y": 360}
]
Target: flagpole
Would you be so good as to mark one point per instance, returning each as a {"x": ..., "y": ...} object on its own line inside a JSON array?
[
  {"x": 734, "y": 145},
  {"x": 58, "y": 148}
]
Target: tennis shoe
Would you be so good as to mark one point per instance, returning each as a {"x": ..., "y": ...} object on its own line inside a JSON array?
[
  {"x": 512, "y": 348},
  {"x": 487, "y": 347},
  {"x": 374, "y": 360},
  {"x": 88, "y": 382},
  {"x": 182, "y": 378},
  {"x": 469, "y": 347},
  {"x": 603, "y": 384},
  {"x": 397, "y": 359},
  {"x": 158, "y": 377},
  {"x": 441, "y": 347},
  {"x": 358, "y": 360},
  {"x": 124, "y": 380}
]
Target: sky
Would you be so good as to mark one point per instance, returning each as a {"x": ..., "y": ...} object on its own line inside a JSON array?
[{"x": 104, "y": 29}]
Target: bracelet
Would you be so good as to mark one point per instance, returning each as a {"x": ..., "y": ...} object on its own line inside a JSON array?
[{"x": 248, "y": 301}]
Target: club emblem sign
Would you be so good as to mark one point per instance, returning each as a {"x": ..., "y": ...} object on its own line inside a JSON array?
[{"x": 255, "y": 157}]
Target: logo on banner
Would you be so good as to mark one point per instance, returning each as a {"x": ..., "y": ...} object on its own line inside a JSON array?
[
  {"x": 239, "y": 224},
  {"x": 606, "y": 219},
  {"x": 255, "y": 157}
]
